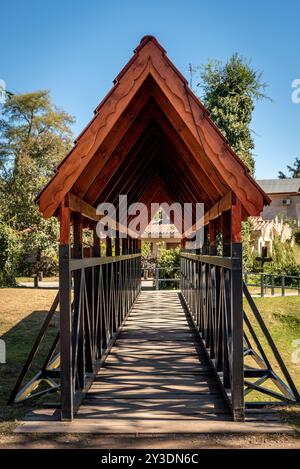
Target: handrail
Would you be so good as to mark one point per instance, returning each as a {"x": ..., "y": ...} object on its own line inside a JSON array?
[
  {"x": 290, "y": 392},
  {"x": 272, "y": 281},
  {"x": 213, "y": 260},
  {"x": 20, "y": 392},
  {"x": 104, "y": 292},
  {"x": 211, "y": 288},
  {"x": 76, "y": 264}
]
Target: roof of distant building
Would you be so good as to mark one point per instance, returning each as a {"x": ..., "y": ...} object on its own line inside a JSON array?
[
  {"x": 280, "y": 186},
  {"x": 163, "y": 229}
]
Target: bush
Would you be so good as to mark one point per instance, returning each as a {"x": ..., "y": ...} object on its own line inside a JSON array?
[
  {"x": 148, "y": 260},
  {"x": 249, "y": 262},
  {"x": 9, "y": 255},
  {"x": 168, "y": 263},
  {"x": 297, "y": 236},
  {"x": 40, "y": 243},
  {"x": 284, "y": 261},
  {"x": 168, "y": 259}
]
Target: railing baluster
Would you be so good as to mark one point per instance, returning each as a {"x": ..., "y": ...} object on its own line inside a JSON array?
[
  {"x": 66, "y": 369},
  {"x": 212, "y": 290}
]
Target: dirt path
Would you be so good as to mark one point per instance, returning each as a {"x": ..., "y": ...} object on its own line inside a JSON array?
[{"x": 67, "y": 441}]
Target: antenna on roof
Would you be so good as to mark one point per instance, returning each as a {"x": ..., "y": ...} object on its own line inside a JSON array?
[{"x": 191, "y": 70}]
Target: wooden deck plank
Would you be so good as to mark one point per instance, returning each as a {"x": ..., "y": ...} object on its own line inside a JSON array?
[
  {"x": 156, "y": 380},
  {"x": 189, "y": 405},
  {"x": 196, "y": 425},
  {"x": 167, "y": 369},
  {"x": 156, "y": 372},
  {"x": 151, "y": 378}
]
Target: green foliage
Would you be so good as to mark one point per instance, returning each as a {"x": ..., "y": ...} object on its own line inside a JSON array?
[
  {"x": 284, "y": 261},
  {"x": 248, "y": 254},
  {"x": 41, "y": 242},
  {"x": 145, "y": 250},
  {"x": 169, "y": 258},
  {"x": 34, "y": 136},
  {"x": 168, "y": 262},
  {"x": 148, "y": 261},
  {"x": 297, "y": 236},
  {"x": 230, "y": 91},
  {"x": 9, "y": 252},
  {"x": 293, "y": 170}
]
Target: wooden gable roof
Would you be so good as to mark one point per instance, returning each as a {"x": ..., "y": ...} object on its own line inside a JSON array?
[{"x": 150, "y": 138}]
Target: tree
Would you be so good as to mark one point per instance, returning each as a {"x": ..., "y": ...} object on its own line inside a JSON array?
[
  {"x": 293, "y": 170},
  {"x": 34, "y": 136},
  {"x": 229, "y": 93},
  {"x": 9, "y": 250}
]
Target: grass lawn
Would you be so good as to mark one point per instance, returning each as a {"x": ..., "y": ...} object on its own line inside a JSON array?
[
  {"x": 30, "y": 279},
  {"x": 22, "y": 312},
  {"x": 282, "y": 317}
]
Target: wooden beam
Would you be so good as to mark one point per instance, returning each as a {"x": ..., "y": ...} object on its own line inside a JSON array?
[
  {"x": 129, "y": 145},
  {"x": 236, "y": 221},
  {"x": 78, "y": 205},
  {"x": 212, "y": 237},
  {"x": 222, "y": 206},
  {"x": 96, "y": 243},
  {"x": 226, "y": 232},
  {"x": 65, "y": 221}
]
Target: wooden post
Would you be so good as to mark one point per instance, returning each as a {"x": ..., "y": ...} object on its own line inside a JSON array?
[
  {"x": 117, "y": 244},
  {"x": 124, "y": 246},
  {"x": 237, "y": 385},
  {"x": 67, "y": 392},
  {"x": 108, "y": 246},
  {"x": 96, "y": 244},
  {"x": 272, "y": 285},
  {"x": 226, "y": 233},
  {"x": 282, "y": 285},
  {"x": 262, "y": 285},
  {"x": 156, "y": 278},
  {"x": 78, "y": 315},
  {"x": 97, "y": 319},
  {"x": 129, "y": 245},
  {"x": 205, "y": 247},
  {"x": 212, "y": 237}
]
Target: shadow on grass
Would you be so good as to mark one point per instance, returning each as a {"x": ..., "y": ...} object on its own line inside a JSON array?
[{"x": 19, "y": 341}]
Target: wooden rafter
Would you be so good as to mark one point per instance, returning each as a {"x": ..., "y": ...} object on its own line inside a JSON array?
[{"x": 151, "y": 124}]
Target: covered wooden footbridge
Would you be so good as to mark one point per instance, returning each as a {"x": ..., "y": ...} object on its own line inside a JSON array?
[{"x": 152, "y": 140}]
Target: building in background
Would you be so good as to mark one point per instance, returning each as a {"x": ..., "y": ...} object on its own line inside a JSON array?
[
  {"x": 264, "y": 232},
  {"x": 285, "y": 206},
  {"x": 285, "y": 195},
  {"x": 161, "y": 234}
]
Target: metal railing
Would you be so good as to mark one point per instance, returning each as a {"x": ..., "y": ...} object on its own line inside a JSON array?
[
  {"x": 237, "y": 343},
  {"x": 211, "y": 287},
  {"x": 159, "y": 279},
  {"x": 104, "y": 291},
  {"x": 263, "y": 361},
  {"x": 270, "y": 283}
]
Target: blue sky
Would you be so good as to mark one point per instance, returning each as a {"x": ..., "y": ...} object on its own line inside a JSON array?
[{"x": 75, "y": 49}]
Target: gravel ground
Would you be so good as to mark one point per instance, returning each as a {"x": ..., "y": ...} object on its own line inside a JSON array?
[{"x": 67, "y": 441}]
